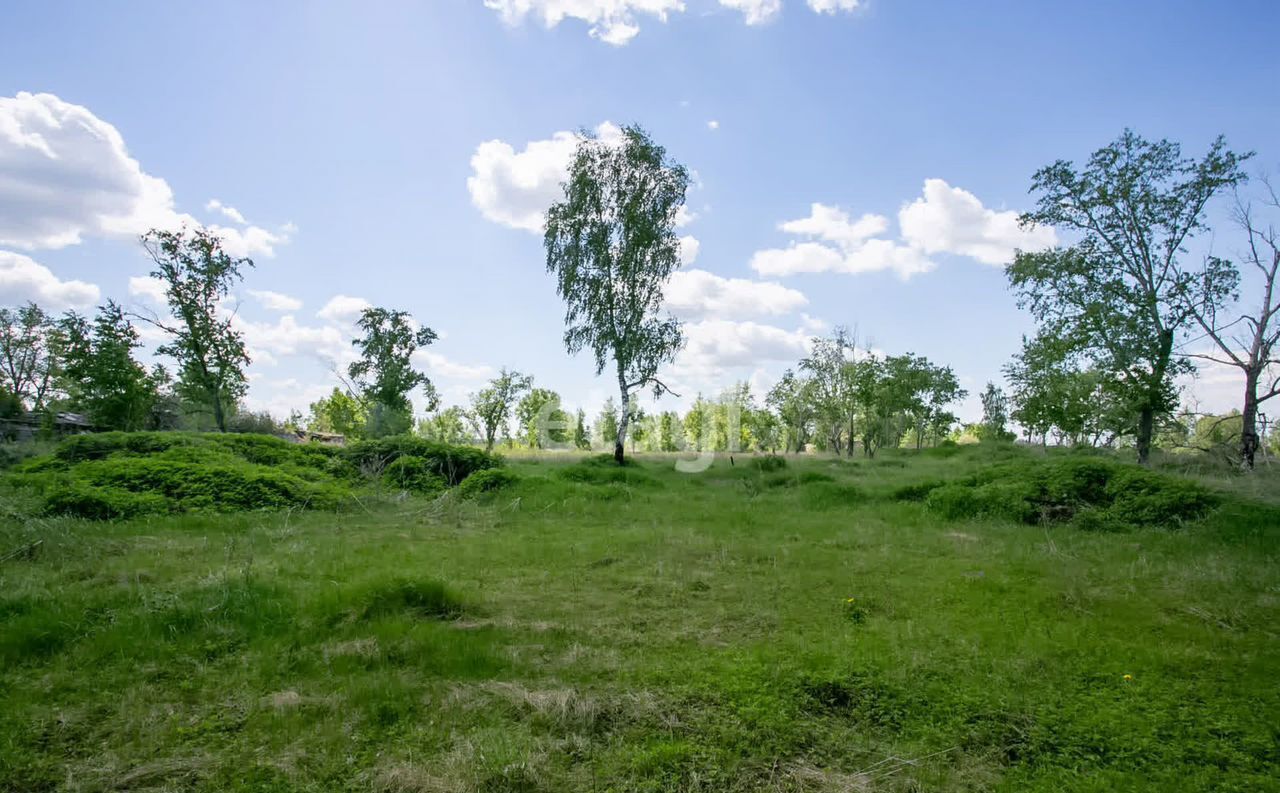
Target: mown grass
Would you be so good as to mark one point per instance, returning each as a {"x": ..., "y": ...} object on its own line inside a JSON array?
[{"x": 581, "y": 629}]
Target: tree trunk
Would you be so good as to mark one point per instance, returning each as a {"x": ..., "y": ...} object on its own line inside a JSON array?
[
  {"x": 619, "y": 443},
  {"x": 1249, "y": 420},
  {"x": 1146, "y": 428},
  {"x": 219, "y": 419}
]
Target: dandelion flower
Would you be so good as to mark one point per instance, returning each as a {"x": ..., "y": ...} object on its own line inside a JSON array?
[{"x": 1128, "y": 678}]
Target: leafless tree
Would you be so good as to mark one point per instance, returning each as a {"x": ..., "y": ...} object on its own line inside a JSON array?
[{"x": 1251, "y": 341}]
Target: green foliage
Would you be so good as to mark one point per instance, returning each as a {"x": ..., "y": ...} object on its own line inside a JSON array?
[
  {"x": 769, "y": 462},
  {"x": 211, "y": 354},
  {"x": 1119, "y": 294},
  {"x": 99, "y": 373},
  {"x": 603, "y": 469},
  {"x": 487, "y": 481},
  {"x": 491, "y": 406},
  {"x": 339, "y": 413},
  {"x": 541, "y": 420},
  {"x": 408, "y": 472},
  {"x": 612, "y": 245},
  {"x": 446, "y": 426},
  {"x": 1107, "y": 493},
  {"x": 451, "y": 463},
  {"x": 384, "y": 372},
  {"x": 30, "y": 349}
]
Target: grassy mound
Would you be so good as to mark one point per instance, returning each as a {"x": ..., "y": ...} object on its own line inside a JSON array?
[
  {"x": 604, "y": 470},
  {"x": 122, "y": 475},
  {"x": 1091, "y": 492}
]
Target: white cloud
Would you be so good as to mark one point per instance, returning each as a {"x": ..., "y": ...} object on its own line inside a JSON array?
[
  {"x": 947, "y": 219},
  {"x": 832, "y": 6},
  {"x": 698, "y": 294},
  {"x": 230, "y": 212},
  {"x": 275, "y": 301},
  {"x": 804, "y": 257},
  {"x": 611, "y": 21},
  {"x": 713, "y": 345},
  {"x": 944, "y": 220},
  {"x": 685, "y": 216},
  {"x": 343, "y": 309},
  {"x": 437, "y": 365},
  {"x": 755, "y": 12},
  {"x": 516, "y": 188},
  {"x": 66, "y": 174},
  {"x": 713, "y": 125},
  {"x": 832, "y": 224},
  {"x": 23, "y": 280},
  {"x": 148, "y": 288},
  {"x": 287, "y": 337},
  {"x": 689, "y": 247}
]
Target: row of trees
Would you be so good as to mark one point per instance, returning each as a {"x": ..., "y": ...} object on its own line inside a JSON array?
[{"x": 76, "y": 364}]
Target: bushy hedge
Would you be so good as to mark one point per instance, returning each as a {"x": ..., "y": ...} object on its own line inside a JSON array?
[
  {"x": 451, "y": 463},
  {"x": 120, "y": 475},
  {"x": 486, "y": 481},
  {"x": 1092, "y": 492}
]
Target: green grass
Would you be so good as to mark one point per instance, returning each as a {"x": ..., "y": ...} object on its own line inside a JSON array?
[{"x": 586, "y": 629}]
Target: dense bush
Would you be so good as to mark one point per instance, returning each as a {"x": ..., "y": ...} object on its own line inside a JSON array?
[
  {"x": 451, "y": 463},
  {"x": 413, "y": 473},
  {"x": 1096, "y": 493},
  {"x": 769, "y": 463},
  {"x": 486, "y": 481}
]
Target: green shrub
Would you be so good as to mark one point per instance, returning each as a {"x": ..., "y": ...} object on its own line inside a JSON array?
[
  {"x": 413, "y": 473},
  {"x": 769, "y": 463},
  {"x": 829, "y": 495},
  {"x": 451, "y": 463},
  {"x": 1096, "y": 493},
  {"x": 917, "y": 491},
  {"x": 82, "y": 500},
  {"x": 486, "y": 481}
]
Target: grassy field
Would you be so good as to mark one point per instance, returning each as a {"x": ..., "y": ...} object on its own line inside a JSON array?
[{"x": 643, "y": 630}]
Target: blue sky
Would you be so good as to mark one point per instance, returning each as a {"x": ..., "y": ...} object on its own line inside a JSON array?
[{"x": 383, "y": 152}]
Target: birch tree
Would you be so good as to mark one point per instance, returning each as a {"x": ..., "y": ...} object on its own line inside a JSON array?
[{"x": 612, "y": 245}]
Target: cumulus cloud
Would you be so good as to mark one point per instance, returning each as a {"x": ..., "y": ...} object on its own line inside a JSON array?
[
  {"x": 611, "y": 21},
  {"x": 343, "y": 309},
  {"x": 286, "y": 336},
  {"x": 947, "y": 219},
  {"x": 22, "y": 280},
  {"x": 833, "y": 224},
  {"x": 689, "y": 247},
  {"x": 716, "y": 344},
  {"x": 515, "y": 188},
  {"x": 755, "y": 12},
  {"x": 944, "y": 219},
  {"x": 698, "y": 294},
  {"x": 66, "y": 174},
  {"x": 275, "y": 301}
]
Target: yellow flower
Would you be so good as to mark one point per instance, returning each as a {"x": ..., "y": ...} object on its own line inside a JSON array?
[
  {"x": 1128, "y": 678},
  {"x": 850, "y": 600}
]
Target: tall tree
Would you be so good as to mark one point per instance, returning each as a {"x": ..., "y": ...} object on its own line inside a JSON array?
[
  {"x": 1121, "y": 290},
  {"x": 995, "y": 415},
  {"x": 100, "y": 374},
  {"x": 211, "y": 355},
  {"x": 791, "y": 398},
  {"x": 606, "y": 425},
  {"x": 446, "y": 426},
  {"x": 491, "y": 406},
  {"x": 829, "y": 366},
  {"x": 1250, "y": 341},
  {"x": 581, "y": 438},
  {"x": 541, "y": 419},
  {"x": 385, "y": 374},
  {"x": 612, "y": 246},
  {"x": 30, "y": 353},
  {"x": 339, "y": 413}
]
